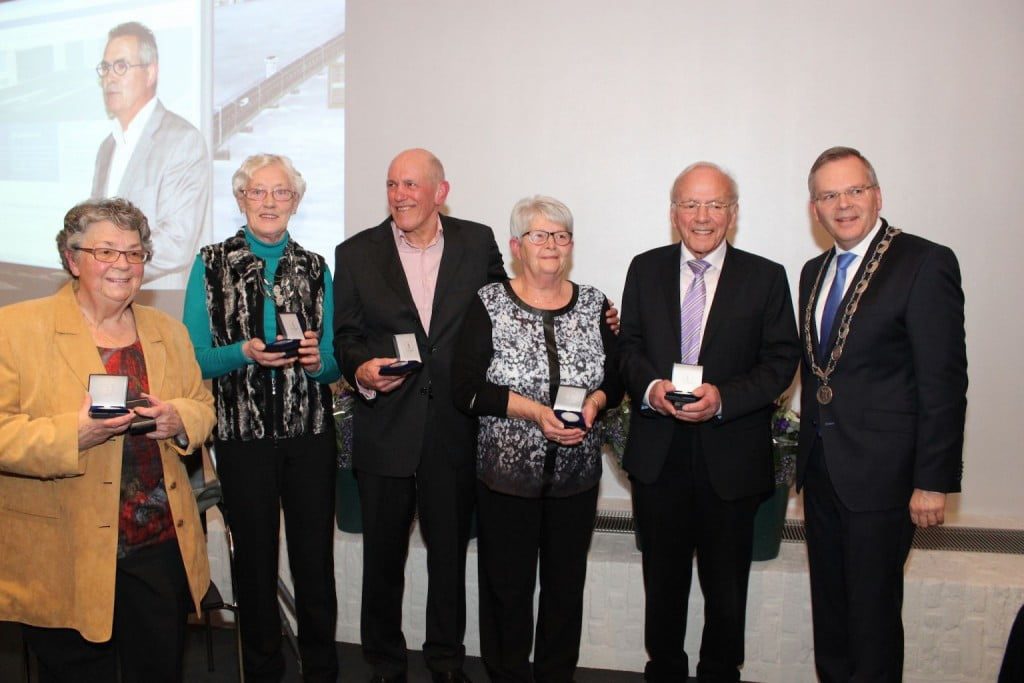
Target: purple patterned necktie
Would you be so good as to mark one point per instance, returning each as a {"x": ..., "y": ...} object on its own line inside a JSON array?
[{"x": 691, "y": 313}]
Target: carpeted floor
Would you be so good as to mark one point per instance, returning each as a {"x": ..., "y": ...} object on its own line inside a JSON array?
[{"x": 353, "y": 668}]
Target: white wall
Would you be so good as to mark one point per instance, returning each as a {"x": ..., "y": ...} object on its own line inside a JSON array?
[{"x": 601, "y": 103}]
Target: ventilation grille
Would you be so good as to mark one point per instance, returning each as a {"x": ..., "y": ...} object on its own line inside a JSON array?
[
  {"x": 962, "y": 539},
  {"x": 970, "y": 539},
  {"x": 614, "y": 522},
  {"x": 793, "y": 531}
]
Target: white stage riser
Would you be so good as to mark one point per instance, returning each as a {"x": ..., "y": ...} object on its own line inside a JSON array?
[{"x": 958, "y": 608}]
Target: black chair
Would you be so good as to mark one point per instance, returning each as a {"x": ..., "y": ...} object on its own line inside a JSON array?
[{"x": 208, "y": 495}]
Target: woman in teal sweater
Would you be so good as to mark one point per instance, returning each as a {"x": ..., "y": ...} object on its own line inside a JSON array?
[{"x": 274, "y": 439}]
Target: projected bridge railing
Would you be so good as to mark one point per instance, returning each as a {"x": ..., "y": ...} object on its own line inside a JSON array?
[{"x": 235, "y": 115}]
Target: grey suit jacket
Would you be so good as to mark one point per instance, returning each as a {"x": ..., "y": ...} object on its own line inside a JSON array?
[{"x": 168, "y": 178}]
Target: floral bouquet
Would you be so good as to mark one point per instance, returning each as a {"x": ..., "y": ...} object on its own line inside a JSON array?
[
  {"x": 615, "y": 428},
  {"x": 785, "y": 432},
  {"x": 344, "y": 404}
]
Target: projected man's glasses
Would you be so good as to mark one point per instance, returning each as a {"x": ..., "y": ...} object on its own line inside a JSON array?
[
  {"x": 107, "y": 255},
  {"x": 119, "y": 67}
]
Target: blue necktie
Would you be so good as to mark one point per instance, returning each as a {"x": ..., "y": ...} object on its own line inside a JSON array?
[{"x": 835, "y": 296}]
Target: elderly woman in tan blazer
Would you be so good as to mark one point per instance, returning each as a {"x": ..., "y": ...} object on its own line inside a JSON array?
[{"x": 101, "y": 550}]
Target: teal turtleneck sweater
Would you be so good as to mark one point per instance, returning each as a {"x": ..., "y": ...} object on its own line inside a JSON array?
[{"x": 220, "y": 360}]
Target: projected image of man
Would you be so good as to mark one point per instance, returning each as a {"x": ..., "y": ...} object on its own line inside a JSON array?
[{"x": 152, "y": 157}]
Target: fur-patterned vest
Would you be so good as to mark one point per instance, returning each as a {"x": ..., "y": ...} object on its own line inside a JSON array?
[{"x": 255, "y": 402}]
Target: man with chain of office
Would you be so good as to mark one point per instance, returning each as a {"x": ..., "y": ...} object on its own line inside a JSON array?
[{"x": 884, "y": 382}]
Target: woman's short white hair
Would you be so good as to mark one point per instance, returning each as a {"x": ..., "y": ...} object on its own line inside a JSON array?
[
  {"x": 528, "y": 208},
  {"x": 257, "y": 161}
]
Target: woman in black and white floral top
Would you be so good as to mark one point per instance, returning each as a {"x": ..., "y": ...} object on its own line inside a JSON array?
[{"x": 537, "y": 479}]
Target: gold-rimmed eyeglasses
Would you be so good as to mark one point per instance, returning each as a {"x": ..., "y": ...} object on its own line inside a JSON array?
[{"x": 108, "y": 255}]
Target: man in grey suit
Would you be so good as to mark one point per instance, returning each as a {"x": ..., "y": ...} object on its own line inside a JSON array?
[{"x": 153, "y": 158}]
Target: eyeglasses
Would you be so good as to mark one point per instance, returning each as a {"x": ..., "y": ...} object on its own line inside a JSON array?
[
  {"x": 119, "y": 67},
  {"x": 540, "y": 237},
  {"x": 715, "y": 207},
  {"x": 853, "y": 193},
  {"x": 107, "y": 255},
  {"x": 280, "y": 194}
]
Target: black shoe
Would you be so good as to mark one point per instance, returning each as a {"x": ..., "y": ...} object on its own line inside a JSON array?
[
  {"x": 456, "y": 676},
  {"x": 381, "y": 678}
]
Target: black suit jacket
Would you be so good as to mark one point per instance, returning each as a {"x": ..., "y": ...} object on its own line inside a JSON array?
[
  {"x": 749, "y": 351},
  {"x": 896, "y": 420},
  {"x": 372, "y": 302}
]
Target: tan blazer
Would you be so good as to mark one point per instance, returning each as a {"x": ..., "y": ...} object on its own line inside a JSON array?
[{"x": 59, "y": 506}]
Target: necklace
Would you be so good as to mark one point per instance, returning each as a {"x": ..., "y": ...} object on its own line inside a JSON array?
[
  {"x": 121, "y": 331},
  {"x": 268, "y": 287},
  {"x": 125, "y": 317},
  {"x": 825, "y": 393},
  {"x": 548, "y": 301}
]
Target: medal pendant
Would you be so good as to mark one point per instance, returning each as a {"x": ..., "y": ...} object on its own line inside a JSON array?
[{"x": 824, "y": 394}]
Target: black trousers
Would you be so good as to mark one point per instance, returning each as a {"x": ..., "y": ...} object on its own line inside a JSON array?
[
  {"x": 1012, "y": 670},
  {"x": 260, "y": 479},
  {"x": 515, "y": 533},
  {"x": 443, "y": 496},
  {"x": 677, "y": 515},
  {"x": 856, "y": 564},
  {"x": 151, "y": 603}
]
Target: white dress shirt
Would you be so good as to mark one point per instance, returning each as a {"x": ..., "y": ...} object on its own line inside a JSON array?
[
  {"x": 715, "y": 259},
  {"x": 125, "y": 141},
  {"x": 830, "y": 274}
]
